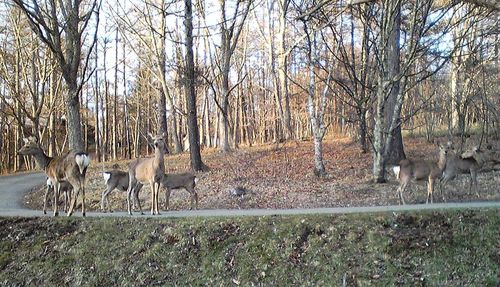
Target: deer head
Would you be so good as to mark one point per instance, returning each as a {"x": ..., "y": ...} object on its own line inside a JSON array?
[
  {"x": 30, "y": 147},
  {"x": 159, "y": 142}
]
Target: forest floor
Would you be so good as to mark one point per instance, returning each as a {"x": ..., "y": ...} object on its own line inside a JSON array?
[{"x": 280, "y": 176}]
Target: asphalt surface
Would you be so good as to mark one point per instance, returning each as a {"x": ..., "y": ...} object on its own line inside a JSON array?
[{"x": 13, "y": 188}]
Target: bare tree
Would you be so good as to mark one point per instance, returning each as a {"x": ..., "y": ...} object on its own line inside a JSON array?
[
  {"x": 230, "y": 30},
  {"x": 61, "y": 26},
  {"x": 193, "y": 132},
  {"x": 146, "y": 34}
]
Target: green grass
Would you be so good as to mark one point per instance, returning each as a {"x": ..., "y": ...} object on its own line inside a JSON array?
[{"x": 452, "y": 248}]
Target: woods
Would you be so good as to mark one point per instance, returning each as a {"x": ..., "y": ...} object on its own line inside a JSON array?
[{"x": 89, "y": 75}]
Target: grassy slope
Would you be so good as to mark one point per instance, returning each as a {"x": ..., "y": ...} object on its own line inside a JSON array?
[{"x": 454, "y": 248}]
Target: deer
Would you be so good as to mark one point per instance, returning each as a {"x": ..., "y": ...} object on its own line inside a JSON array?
[
  {"x": 177, "y": 181},
  {"x": 66, "y": 188},
  {"x": 116, "y": 179},
  {"x": 148, "y": 170},
  {"x": 469, "y": 162},
  {"x": 409, "y": 170},
  {"x": 70, "y": 167}
]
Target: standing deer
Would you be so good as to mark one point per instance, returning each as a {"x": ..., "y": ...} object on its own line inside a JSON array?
[
  {"x": 116, "y": 179},
  {"x": 180, "y": 180},
  {"x": 66, "y": 188},
  {"x": 469, "y": 162},
  {"x": 148, "y": 170},
  {"x": 409, "y": 170},
  {"x": 70, "y": 167}
]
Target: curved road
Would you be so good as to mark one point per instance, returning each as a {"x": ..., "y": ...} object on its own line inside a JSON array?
[{"x": 13, "y": 187}]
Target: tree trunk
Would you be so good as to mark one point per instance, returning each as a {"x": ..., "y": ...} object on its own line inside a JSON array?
[
  {"x": 395, "y": 150},
  {"x": 388, "y": 145},
  {"x": 97, "y": 125},
  {"x": 73, "y": 121},
  {"x": 128, "y": 153},
  {"x": 192, "y": 118},
  {"x": 316, "y": 114},
  {"x": 115, "y": 104},
  {"x": 283, "y": 67}
]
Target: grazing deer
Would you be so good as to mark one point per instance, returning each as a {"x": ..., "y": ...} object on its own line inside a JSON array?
[
  {"x": 409, "y": 170},
  {"x": 66, "y": 188},
  {"x": 70, "y": 167},
  {"x": 469, "y": 162},
  {"x": 180, "y": 180},
  {"x": 116, "y": 179},
  {"x": 148, "y": 170}
]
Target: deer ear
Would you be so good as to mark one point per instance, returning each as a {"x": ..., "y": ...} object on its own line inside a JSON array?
[{"x": 26, "y": 140}]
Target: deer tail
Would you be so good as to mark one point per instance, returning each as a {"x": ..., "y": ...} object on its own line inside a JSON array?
[
  {"x": 83, "y": 161},
  {"x": 396, "y": 170},
  {"x": 107, "y": 176},
  {"x": 49, "y": 182}
]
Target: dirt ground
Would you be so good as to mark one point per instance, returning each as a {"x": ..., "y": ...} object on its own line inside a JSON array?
[{"x": 280, "y": 176}]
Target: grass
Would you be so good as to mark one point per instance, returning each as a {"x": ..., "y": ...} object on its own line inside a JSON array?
[{"x": 448, "y": 248}]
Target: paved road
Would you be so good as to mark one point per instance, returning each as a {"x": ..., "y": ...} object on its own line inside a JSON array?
[{"x": 13, "y": 187}]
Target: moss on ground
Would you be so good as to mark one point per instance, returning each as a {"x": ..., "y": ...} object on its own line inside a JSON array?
[{"x": 449, "y": 248}]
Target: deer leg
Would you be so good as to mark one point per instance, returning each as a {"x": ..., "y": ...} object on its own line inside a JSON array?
[
  {"x": 82, "y": 187},
  {"x": 56, "y": 187},
  {"x": 151, "y": 184},
  {"x": 65, "y": 201},
  {"x": 129, "y": 191},
  {"x": 473, "y": 179},
  {"x": 167, "y": 198},
  {"x": 430, "y": 190},
  {"x": 69, "y": 193},
  {"x": 45, "y": 197},
  {"x": 104, "y": 199},
  {"x": 401, "y": 189},
  {"x": 73, "y": 204},
  {"x": 131, "y": 185},
  {"x": 157, "y": 202},
  {"x": 194, "y": 198},
  {"x": 442, "y": 187},
  {"x": 136, "y": 194}
]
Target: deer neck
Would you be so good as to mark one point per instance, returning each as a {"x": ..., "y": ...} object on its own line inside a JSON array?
[
  {"x": 41, "y": 159},
  {"x": 158, "y": 160},
  {"x": 442, "y": 161}
]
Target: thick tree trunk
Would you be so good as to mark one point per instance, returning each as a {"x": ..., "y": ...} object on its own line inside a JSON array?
[
  {"x": 388, "y": 144},
  {"x": 192, "y": 118},
  {"x": 394, "y": 150},
  {"x": 73, "y": 121}
]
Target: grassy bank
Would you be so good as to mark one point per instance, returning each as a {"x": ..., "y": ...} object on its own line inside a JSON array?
[{"x": 454, "y": 248}]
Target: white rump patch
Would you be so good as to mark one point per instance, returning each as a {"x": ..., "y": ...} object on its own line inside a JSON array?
[
  {"x": 195, "y": 180},
  {"x": 107, "y": 176},
  {"x": 396, "y": 170},
  {"x": 49, "y": 182},
  {"x": 82, "y": 160}
]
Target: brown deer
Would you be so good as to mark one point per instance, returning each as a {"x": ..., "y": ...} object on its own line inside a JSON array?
[
  {"x": 70, "y": 167},
  {"x": 66, "y": 188},
  {"x": 409, "y": 170},
  {"x": 180, "y": 180},
  {"x": 469, "y": 162},
  {"x": 148, "y": 170},
  {"x": 116, "y": 179}
]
